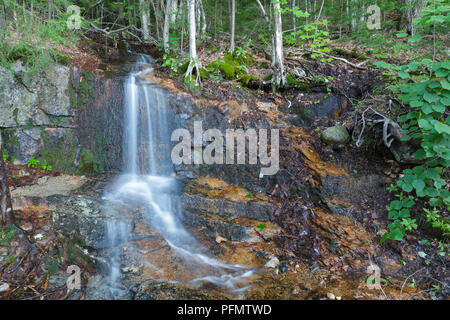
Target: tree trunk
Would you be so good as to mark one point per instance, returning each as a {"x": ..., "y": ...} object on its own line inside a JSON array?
[
  {"x": 412, "y": 13},
  {"x": 203, "y": 17},
  {"x": 6, "y": 213},
  {"x": 194, "y": 63},
  {"x": 232, "y": 23},
  {"x": 278, "y": 67},
  {"x": 173, "y": 17},
  {"x": 144, "y": 19},
  {"x": 167, "y": 24},
  {"x": 294, "y": 27},
  {"x": 2, "y": 16}
]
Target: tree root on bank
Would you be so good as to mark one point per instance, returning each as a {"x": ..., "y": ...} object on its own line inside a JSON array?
[
  {"x": 194, "y": 64},
  {"x": 391, "y": 130}
]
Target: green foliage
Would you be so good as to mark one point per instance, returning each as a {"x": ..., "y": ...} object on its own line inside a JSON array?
[
  {"x": 427, "y": 93},
  {"x": 42, "y": 164},
  {"x": 6, "y": 238},
  {"x": 172, "y": 62}
]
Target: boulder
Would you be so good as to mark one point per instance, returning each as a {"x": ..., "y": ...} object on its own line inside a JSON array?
[{"x": 336, "y": 135}]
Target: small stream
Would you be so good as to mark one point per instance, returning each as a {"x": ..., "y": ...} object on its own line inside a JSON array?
[{"x": 147, "y": 183}]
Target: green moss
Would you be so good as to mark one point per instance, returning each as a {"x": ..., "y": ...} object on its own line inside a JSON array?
[
  {"x": 84, "y": 93},
  {"x": 59, "y": 155},
  {"x": 87, "y": 163},
  {"x": 246, "y": 79},
  {"x": 297, "y": 83},
  {"x": 348, "y": 54},
  {"x": 228, "y": 71},
  {"x": 63, "y": 59}
]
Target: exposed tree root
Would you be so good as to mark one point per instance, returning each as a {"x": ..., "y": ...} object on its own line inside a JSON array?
[{"x": 391, "y": 129}]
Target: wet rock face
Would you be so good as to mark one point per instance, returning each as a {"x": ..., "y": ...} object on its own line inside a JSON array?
[
  {"x": 303, "y": 114},
  {"x": 54, "y": 113},
  {"x": 153, "y": 290}
]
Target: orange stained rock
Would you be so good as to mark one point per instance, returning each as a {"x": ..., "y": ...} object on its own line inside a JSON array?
[{"x": 219, "y": 189}]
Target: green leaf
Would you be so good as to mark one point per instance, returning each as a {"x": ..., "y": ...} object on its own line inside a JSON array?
[
  {"x": 418, "y": 185},
  {"x": 445, "y": 84},
  {"x": 441, "y": 127},
  {"x": 430, "y": 97},
  {"x": 403, "y": 74}
]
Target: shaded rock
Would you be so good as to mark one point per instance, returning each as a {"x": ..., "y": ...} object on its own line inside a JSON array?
[
  {"x": 224, "y": 208},
  {"x": 153, "y": 290},
  {"x": 86, "y": 215},
  {"x": 403, "y": 153},
  {"x": 284, "y": 267},
  {"x": 335, "y": 135}
]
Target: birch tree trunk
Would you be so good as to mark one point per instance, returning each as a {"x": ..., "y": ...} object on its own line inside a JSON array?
[
  {"x": 203, "y": 17},
  {"x": 144, "y": 19},
  {"x": 293, "y": 16},
  {"x": 167, "y": 24},
  {"x": 6, "y": 213},
  {"x": 194, "y": 63},
  {"x": 278, "y": 67},
  {"x": 173, "y": 17},
  {"x": 232, "y": 23}
]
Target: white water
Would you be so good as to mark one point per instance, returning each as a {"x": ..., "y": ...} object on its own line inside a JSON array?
[{"x": 147, "y": 182}]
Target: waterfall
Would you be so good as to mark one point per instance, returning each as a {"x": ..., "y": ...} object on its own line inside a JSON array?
[{"x": 147, "y": 182}]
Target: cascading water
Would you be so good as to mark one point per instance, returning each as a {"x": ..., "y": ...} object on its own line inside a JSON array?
[{"x": 147, "y": 183}]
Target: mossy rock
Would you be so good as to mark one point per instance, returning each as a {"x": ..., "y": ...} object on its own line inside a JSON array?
[
  {"x": 87, "y": 164},
  {"x": 348, "y": 54},
  {"x": 228, "y": 71},
  {"x": 247, "y": 79},
  {"x": 63, "y": 59},
  {"x": 297, "y": 83}
]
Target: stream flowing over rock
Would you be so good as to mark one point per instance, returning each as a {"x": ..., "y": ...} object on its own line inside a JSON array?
[{"x": 80, "y": 129}]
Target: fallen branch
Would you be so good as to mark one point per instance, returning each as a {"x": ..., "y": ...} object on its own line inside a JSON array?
[{"x": 358, "y": 66}]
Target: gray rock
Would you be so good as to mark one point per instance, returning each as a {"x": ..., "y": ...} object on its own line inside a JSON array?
[
  {"x": 335, "y": 135},
  {"x": 154, "y": 290},
  {"x": 272, "y": 263},
  {"x": 25, "y": 102},
  {"x": 403, "y": 153},
  {"x": 86, "y": 215}
]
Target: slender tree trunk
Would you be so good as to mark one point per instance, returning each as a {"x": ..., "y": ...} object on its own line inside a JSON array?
[
  {"x": 278, "y": 68},
  {"x": 143, "y": 4},
  {"x": 167, "y": 24},
  {"x": 269, "y": 23},
  {"x": 2, "y": 17},
  {"x": 203, "y": 17},
  {"x": 182, "y": 6},
  {"x": 293, "y": 16},
  {"x": 6, "y": 213},
  {"x": 232, "y": 23},
  {"x": 194, "y": 63},
  {"x": 192, "y": 30},
  {"x": 173, "y": 17}
]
